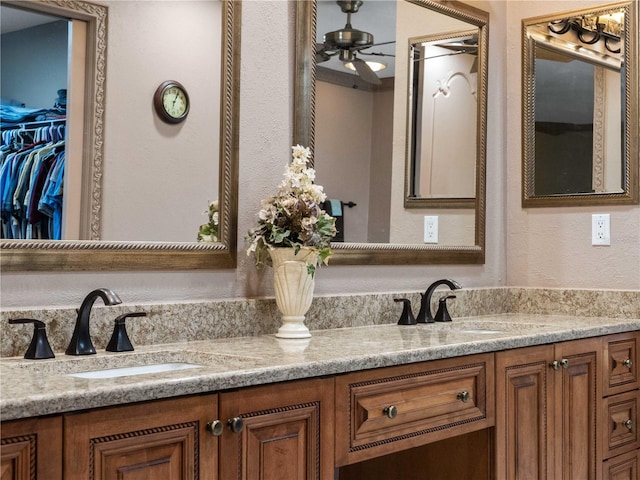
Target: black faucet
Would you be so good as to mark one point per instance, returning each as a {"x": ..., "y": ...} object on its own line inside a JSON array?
[
  {"x": 81, "y": 343},
  {"x": 424, "y": 315}
]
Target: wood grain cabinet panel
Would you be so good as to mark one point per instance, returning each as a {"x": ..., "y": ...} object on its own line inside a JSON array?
[
  {"x": 286, "y": 434},
  {"x": 165, "y": 439},
  {"x": 391, "y": 409},
  {"x": 621, "y": 417},
  {"x": 577, "y": 400},
  {"x": 524, "y": 433},
  {"x": 548, "y": 399},
  {"x": 622, "y": 467},
  {"x": 621, "y": 363},
  {"x": 31, "y": 448}
]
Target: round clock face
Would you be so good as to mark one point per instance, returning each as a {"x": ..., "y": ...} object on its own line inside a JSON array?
[{"x": 171, "y": 102}]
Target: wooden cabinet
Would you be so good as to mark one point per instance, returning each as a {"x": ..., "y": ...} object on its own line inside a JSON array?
[
  {"x": 276, "y": 432},
  {"x": 165, "y": 439},
  {"x": 577, "y": 409},
  {"x": 287, "y": 432},
  {"x": 388, "y": 410},
  {"x": 621, "y": 390},
  {"x": 31, "y": 448},
  {"x": 548, "y": 404},
  {"x": 623, "y": 467}
]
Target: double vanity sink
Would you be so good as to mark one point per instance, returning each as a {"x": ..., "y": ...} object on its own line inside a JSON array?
[{"x": 70, "y": 383}]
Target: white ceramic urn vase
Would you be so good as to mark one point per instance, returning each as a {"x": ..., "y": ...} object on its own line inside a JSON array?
[{"x": 293, "y": 286}]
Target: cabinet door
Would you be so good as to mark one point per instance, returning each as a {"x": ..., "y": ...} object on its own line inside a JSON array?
[
  {"x": 31, "y": 448},
  {"x": 577, "y": 402},
  {"x": 165, "y": 439},
  {"x": 524, "y": 409},
  {"x": 623, "y": 467},
  {"x": 286, "y": 434}
]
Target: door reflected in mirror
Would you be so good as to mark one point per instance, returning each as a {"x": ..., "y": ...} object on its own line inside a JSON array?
[
  {"x": 443, "y": 112},
  {"x": 580, "y": 112}
]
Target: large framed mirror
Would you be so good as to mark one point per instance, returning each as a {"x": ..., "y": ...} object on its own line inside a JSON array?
[
  {"x": 138, "y": 192},
  {"x": 362, "y": 124},
  {"x": 580, "y": 107}
]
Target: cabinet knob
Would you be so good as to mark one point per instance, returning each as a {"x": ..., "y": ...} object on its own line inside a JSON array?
[
  {"x": 391, "y": 411},
  {"x": 555, "y": 364},
  {"x": 235, "y": 424},
  {"x": 463, "y": 396},
  {"x": 628, "y": 424},
  {"x": 628, "y": 363},
  {"x": 564, "y": 363},
  {"x": 215, "y": 428}
]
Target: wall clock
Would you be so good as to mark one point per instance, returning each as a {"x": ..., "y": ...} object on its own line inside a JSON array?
[{"x": 171, "y": 101}]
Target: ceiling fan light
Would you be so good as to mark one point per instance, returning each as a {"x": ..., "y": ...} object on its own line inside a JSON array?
[{"x": 374, "y": 66}]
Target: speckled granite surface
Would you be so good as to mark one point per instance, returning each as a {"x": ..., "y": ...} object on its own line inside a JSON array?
[
  {"x": 30, "y": 388},
  {"x": 190, "y": 321}
]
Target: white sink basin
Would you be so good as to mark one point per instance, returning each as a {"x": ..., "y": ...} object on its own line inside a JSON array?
[
  {"x": 129, "y": 371},
  {"x": 480, "y": 331}
]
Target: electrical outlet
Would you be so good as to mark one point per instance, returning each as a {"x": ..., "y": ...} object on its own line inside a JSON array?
[
  {"x": 430, "y": 229},
  {"x": 601, "y": 229}
]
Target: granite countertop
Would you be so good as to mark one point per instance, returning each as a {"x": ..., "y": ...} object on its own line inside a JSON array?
[{"x": 31, "y": 388}]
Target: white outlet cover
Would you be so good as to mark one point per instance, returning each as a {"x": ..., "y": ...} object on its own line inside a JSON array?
[
  {"x": 430, "y": 229},
  {"x": 601, "y": 229}
]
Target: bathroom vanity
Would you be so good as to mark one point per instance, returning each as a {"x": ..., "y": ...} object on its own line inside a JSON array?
[{"x": 435, "y": 401}]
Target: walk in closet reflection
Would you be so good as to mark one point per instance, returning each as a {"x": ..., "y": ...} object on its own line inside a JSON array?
[
  {"x": 31, "y": 180},
  {"x": 33, "y": 115}
]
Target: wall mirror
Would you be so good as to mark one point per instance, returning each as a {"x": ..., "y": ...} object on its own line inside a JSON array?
[
  {"x": 580, "y": 107},
  {"x": 142, "y": 188},
  {"x": 359, "y": 124}
]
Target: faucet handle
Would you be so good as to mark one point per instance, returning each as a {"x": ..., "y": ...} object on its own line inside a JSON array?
[
  {"x": 442, "y": 315},
  {"x": 39, "y": 347},
  {"x": 119, "y": 341},
  {"x": 406, "y": 318}
]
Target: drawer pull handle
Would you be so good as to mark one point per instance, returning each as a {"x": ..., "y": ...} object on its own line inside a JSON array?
[
  {"x": 628, "y": 363},
  {"x": 235, "y": 424},
  {"x": 391, "y": 411},
  {"x": 463, "y": 396},
  {"x": 215, "y": 428},
  {"x": 628, "y": 424}
]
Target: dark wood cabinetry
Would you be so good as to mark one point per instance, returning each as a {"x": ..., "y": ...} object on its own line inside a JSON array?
[
  {"x": 32, "y": 448},
  {"x": 621, "y": 390},
  {"x": 165, "y": 439},
  {"x": 388, "y": 410},
  {"x": 547, "y": 399},
  {"x": 569, "y": 410},
  {"x": 287, "y": 432}
]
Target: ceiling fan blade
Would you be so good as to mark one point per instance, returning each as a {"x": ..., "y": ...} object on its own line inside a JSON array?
[{"x": 365, "y": 72}]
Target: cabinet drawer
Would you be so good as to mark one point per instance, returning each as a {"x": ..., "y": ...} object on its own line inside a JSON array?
[
  {"x": 621, "y": 415},
  {"x": 624, "y": 467},
  {"x": 391, "y": 409},
  {"x": 621, "y": 363}
]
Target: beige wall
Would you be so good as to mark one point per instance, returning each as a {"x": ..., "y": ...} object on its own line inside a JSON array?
[
  {"x": 551, "y": 247},
  {"x": 265, "y": 137}
]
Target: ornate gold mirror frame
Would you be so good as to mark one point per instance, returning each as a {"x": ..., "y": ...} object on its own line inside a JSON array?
[
  {"x": 63, "y": 255},
  {"x": 304, "y": 134},
  {"x": 630, "y": 186}
]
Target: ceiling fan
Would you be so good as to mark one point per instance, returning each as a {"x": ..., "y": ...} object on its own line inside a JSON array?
[{"x": 347, "y": 42}]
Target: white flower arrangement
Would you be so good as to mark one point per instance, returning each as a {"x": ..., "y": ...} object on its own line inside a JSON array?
[
  {"x": 209, "y": 231},
  {"x": 294, "y": 217}
]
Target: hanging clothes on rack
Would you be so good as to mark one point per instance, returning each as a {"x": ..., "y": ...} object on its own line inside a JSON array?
[{"x": 32, "y": 158}]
